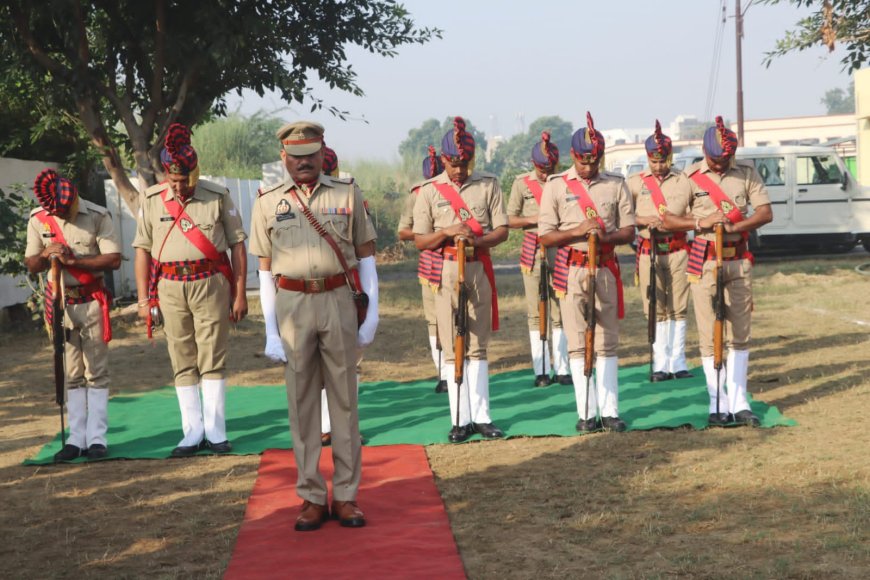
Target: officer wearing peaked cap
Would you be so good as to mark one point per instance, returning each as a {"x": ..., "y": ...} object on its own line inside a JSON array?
[{"x": 316, "y": 249}]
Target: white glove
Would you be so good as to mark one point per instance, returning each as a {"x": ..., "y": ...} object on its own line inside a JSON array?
[
  {"x": 274, "y": 349},
  {"x": 368, "y": 276}
]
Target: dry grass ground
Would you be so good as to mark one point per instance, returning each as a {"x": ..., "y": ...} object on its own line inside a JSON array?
[{"x": 782, "y": 503}]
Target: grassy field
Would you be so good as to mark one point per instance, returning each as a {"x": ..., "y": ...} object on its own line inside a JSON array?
[{"x": 781, "y": 503}]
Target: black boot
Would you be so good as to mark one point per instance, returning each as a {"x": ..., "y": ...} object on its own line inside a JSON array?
[
  {"x": 69, "y": 452},
  {"x": 660, "y": 376},
  {"x": 718, "y": 419},
  {"x": 459, "y": 434},
  {"x": 613, "y": 424},
  {"x": 441, "y": 387},
  {"x": 588, "y": 425},
  {"x": 543, "y": 381},
  {"x": 488, "y": 430},
  {"x": 97, "y": 451},
  {"x": 747, "y": 418}
]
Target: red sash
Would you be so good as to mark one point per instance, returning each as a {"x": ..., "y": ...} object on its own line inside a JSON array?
[
  {"x": 84, "y": 277},
  {"x": 587, "y": 206},
  {"x": 464, "y": 214},
  {"x": 534, "y": 187},
  {"x": 719, "y": 197},
  {"x": 652, "y": 184},
  {"x": 195, "y": 236}
]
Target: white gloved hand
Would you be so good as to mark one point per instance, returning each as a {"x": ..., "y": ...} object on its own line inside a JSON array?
[
  {"x": 274, "y": 349},
  {"x": 368, "y": 276}
]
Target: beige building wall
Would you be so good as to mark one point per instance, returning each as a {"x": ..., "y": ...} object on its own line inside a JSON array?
[{"x": 811, "y": 130}]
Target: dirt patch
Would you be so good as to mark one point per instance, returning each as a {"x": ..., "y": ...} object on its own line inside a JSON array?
[{"x": 775, "y": 503}]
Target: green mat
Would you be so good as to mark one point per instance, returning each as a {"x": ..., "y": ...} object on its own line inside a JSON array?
[{"x": 147, "y": 425}]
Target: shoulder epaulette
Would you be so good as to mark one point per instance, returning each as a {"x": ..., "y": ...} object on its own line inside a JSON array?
[
  {"x": 213, "y": 187},
  {"x": 612, "y": 175},
  {"x": 344, "y": 180},
  {"x": 269, "y": 189},
  {"x": 36, "y": 210},
  {"x": 557, "y": 175},
  {"x": 155, "y": 189},
  {"x": 484, "y": 175},
  {"x": 91, "y": 206},
  {"x": 416, "y": 187},
  {"x": 745, "y": 163},
  {"x": 692, "y": 169}
]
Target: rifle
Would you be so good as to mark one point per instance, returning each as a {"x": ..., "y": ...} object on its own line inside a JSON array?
[
  {"x": 589, "y": 313},
  {"x": 651, "y": 296},
  {"x": 461, "y": 323},
  {"x": 719, "y": 310},
  {"x": 58, "y": 334},
  {"x": 544, "y": 309}
]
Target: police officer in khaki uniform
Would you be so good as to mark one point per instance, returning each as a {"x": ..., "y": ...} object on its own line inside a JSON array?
[
  {"x": 657, "y": 190},
  {"x": 722, "y": 192},
  {"x": 82, "y": 236},
  {"x": 522, "y": 213},
  {"x": 185, "y": 226},
  {"x": 576, "y": 202},
  {"x": 463, "y": 203},
  {"x": 432, "y": 166},
  {"x": 313, "y": 314}
]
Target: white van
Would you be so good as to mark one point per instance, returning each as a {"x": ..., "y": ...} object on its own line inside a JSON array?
[{"x": 816, "y": 202}]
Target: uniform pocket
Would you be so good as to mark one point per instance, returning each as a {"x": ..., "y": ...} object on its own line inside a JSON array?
[{"x": 338, "y": 225}]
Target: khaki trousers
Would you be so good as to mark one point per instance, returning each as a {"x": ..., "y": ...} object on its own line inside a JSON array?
[
  {"x": 85, "y": 354},
  {"x": 672, "y": 288},
  {"x": 197, "y": 325},
  {"x": 479, "y": 310},
  {"x": 573, "y": 305},
  {"x": 738, "y": 305},
  {"x": 319, "y": 334},
  {"x": 428, "y": 295}
]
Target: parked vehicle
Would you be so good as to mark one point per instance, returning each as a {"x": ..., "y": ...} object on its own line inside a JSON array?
[{"x": 816, "y": 202}]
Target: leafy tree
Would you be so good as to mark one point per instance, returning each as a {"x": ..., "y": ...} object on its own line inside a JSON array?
[
  {"x": 140, "y": 65},
  {"x": 838, "y": 101},
  {"x": 416, "y": 144},
  {"x": 514, "y": 156},
  {"x": 833, "y": 21},
  {"x": 237, "y": 146},
  {"x": 14, "y": 209}
]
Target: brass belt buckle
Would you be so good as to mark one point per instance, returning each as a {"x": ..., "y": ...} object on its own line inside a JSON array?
[
  {"x": 73, "y": 292},
  {"x": 729, "y": 252},
  {"x": 183, "y": 270},
  {"x": 663, "y": 246},
  {"x": 315, "y": 285}
]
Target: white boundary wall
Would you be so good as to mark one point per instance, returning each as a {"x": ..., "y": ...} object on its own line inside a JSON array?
[{"x": 243, "y": 193}]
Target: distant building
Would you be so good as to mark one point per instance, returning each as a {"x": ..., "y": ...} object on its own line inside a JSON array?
[
  {"x": 814, "y": 130},
  {"x": 493, "y": 143}
]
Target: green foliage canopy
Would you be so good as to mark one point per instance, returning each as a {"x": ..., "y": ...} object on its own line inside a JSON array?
[
  {"x": 141, "y": 65},
  {"x": 833, "y": 21},
  {"x": 237, "y": 146},
  {"x": 416, "y": 144}
]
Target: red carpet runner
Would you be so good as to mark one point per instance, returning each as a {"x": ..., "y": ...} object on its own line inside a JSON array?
[{"x": 407, "y": 533}]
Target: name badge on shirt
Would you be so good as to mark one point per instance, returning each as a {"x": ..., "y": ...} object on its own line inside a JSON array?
[
  {"x": 701, "y": 194},
  {"x": 166, "y": 218}
]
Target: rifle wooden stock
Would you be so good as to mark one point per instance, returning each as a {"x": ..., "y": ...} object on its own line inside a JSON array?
[
  {"x": 651, "y": 297},
  {"x": 719, "y": 302},
  {"x": 58, "y": 336},
  {"x": 461, "y": 321},
  {"x": 591, "y": 275}
]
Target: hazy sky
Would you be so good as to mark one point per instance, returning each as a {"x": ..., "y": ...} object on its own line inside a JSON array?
[{"x": 627, "y": 61}]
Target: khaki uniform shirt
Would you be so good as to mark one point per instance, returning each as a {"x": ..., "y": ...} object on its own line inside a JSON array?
[
  {"x": 521, "y": 202},
  {"x": 675, "y": 188},
  {"x": 406, "y": 220},
  {"x": 561, "y": 211},
  {"x": 281, "y": 232},
  {"x": 480, "y": 192},
  {"x": 741, "y": 183},
  {"x": 210, "y": 207},
  {"x": 90, "y": 233}
]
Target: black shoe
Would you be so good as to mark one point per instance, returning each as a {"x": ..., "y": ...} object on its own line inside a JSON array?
[
  {"x": 683, "y": 375},
  {"x": 613, "y": 424},
  {"x": 747, "y": 418},
  {"x": 719, "y": 419},
  {"x": 69, "y": 452},
  {"x": 97, "y": 451},
  {"x": 188, "y": 450},
  {"x": 588, "y": 425},
  {"x": 563, "y": 380},
  {"x": 459, "y": 434},
  {"x": 441, "y": 387},
  {"x": 543, "y": 381},
  {"x": 488, "y": 430},
  {"x": 660, "y": 376},
  {"x": 222, "y": 447}
]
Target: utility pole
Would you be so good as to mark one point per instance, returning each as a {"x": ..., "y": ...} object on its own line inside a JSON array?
[{"x": 738, "y": 27}]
